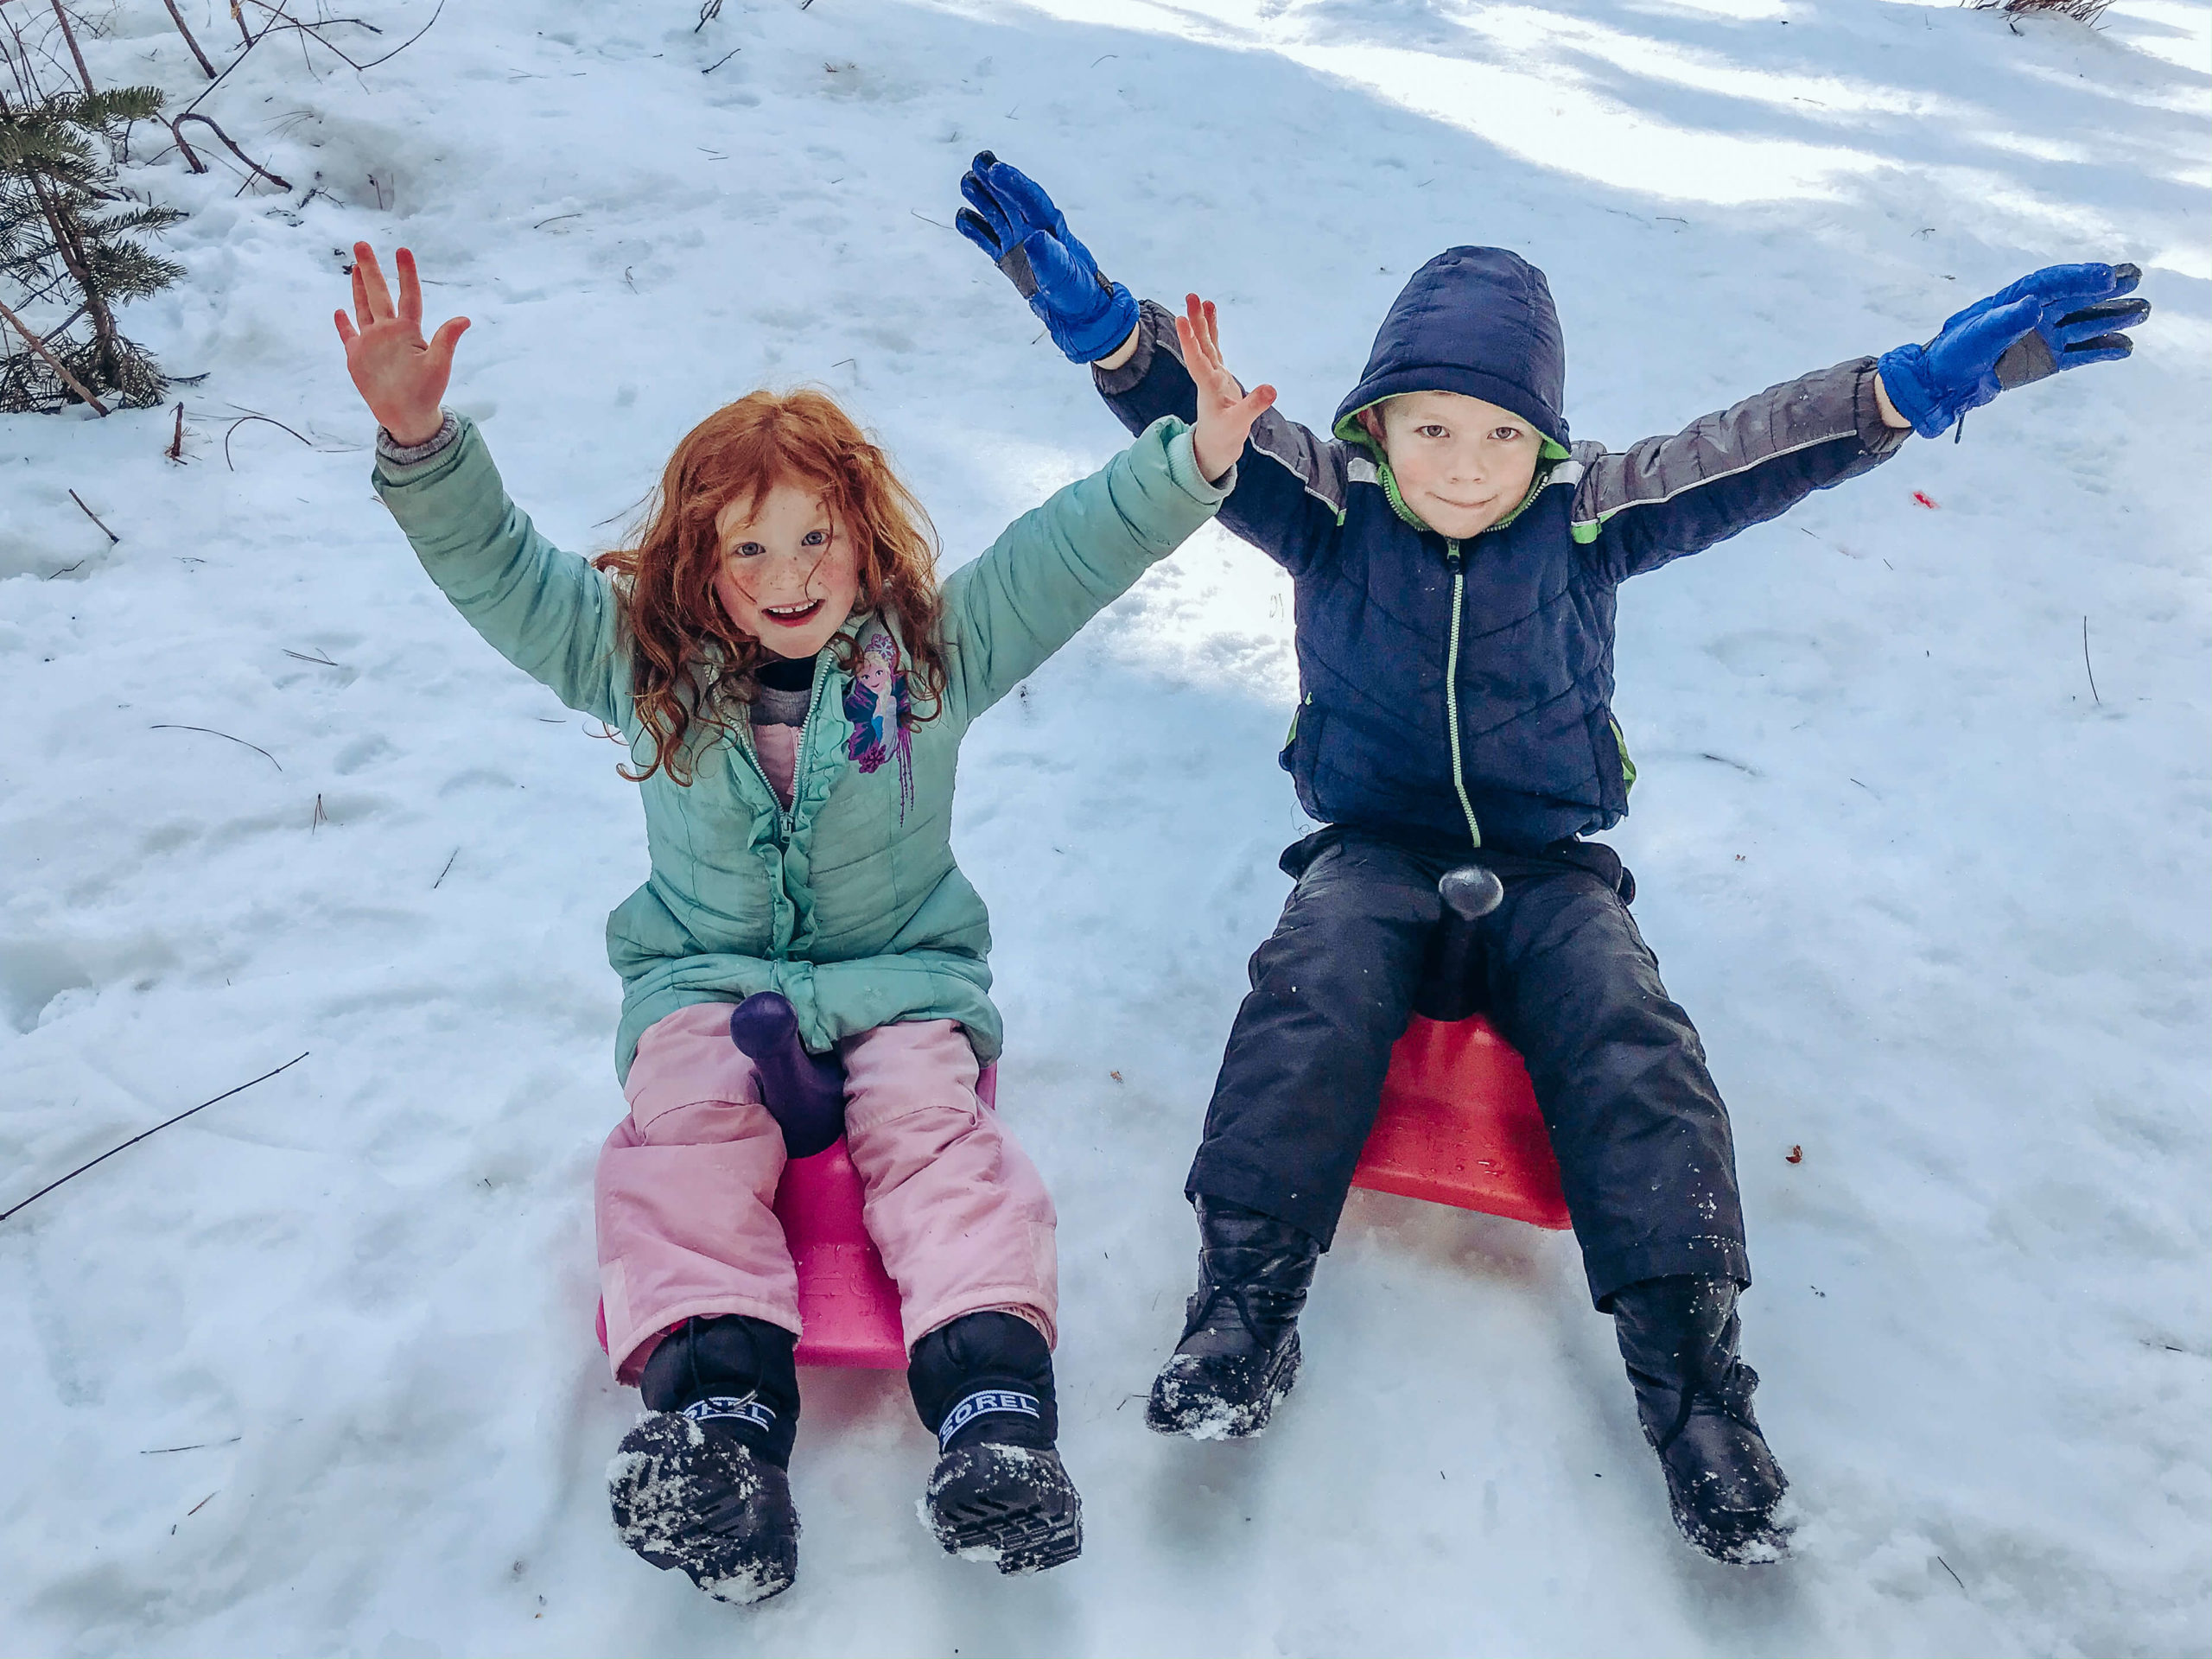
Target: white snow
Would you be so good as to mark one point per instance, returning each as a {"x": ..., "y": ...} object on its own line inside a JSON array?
[{"x": 1942, "y": 919}]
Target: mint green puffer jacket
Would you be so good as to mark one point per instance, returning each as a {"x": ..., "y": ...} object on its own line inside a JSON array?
[{"x": 849, "y": 903}]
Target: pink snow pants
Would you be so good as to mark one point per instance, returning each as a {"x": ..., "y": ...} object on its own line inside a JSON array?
[{"x": 687, "y": 1180}]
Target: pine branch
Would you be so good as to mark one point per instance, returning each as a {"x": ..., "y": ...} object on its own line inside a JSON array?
[
  {"x": 55, "y": 188},
  {"x": 38, "y": 346}
]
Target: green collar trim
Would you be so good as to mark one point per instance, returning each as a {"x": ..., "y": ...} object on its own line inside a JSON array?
[{"x": 1350, "y": 431}]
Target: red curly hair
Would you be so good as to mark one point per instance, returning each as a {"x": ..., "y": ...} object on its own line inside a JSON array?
[{"x": 739, "y": 453}]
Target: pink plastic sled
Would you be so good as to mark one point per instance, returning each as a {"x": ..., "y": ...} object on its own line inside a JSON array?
[
  {"x": 846, "y": 1302},
  {"x": 1459, "y": 1125}
]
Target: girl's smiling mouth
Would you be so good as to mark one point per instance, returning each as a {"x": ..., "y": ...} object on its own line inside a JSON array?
[{"x": 791, "y": 616}]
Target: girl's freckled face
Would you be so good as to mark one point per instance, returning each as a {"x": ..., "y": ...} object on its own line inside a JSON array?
[{"x": 789, "y": 573}]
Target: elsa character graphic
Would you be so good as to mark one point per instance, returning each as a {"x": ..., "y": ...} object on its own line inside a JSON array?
[{"x": 881, "y": 714}]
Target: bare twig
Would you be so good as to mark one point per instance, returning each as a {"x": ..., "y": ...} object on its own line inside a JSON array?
[
  {"x": 434, "y": 888},
  {"x": 2085, "y": 659},
  {"x": 177, "y": 17},
  {"x": 156, "y": 1130},
  {"x": 320, "y": 22},
  {"x": 53, "y": 362},
  {"x": 722, "y": 60},
  {"x": 197, "y": 1445},
  {"x": 167, "y": 725},
  {"x": 177, "y": 131},
  {"x": 240, "y": 422},
  {"x": 404, "y": 44},
  {"x": 70, "y": 36},
  {"x": 225, "y": 73},
  {"x": 320, "y": 817},
  {"x": 285, "y": 21},
  {"x": 303, "y": 656},
  {"x": 113, "y": 538},
  {"x": 175, "y": 451},
  {"x": 1947, "y": 1567},
  {"x": 201, "y": 1504},
  {"x": 2082, "y": 11},
  {"x": 67, "y": 323}
]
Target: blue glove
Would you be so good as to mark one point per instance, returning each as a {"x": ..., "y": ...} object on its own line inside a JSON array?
[
  {"x": 2057, "y": 318},
  {"x": 1010, "y": 218}
]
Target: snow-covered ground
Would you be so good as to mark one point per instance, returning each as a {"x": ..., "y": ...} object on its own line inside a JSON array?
[{"x": 1943, "y": 918}]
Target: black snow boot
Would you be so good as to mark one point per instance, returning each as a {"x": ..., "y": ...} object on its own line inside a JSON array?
[
  {"x": 699, "y": 1483},
  {"x": 983, "y": 1385},
  {"x": 1693, "y": 1393},
  {"x": 1239, "y": 1351}
]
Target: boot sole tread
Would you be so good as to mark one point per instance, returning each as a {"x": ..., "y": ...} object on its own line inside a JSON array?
[{"x": 1027, "y": 1537}]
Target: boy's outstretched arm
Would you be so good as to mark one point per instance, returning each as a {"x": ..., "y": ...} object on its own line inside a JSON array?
[
  {"x": 1666, "y": 497},
  {"x": 1290, "y": 484}
]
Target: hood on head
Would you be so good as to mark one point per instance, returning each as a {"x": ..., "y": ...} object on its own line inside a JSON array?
[{"x": 1479, "y": 322}]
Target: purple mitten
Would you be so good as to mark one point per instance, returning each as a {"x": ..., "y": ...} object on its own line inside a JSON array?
[{"x": 804, "y": 1092}]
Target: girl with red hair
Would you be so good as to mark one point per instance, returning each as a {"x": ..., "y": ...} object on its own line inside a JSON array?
[{"x": 793, "y": 679}]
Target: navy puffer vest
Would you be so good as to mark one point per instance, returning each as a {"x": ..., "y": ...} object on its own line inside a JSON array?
[{"x": 1538, "y": 756}]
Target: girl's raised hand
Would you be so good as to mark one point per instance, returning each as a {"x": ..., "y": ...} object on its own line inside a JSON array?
[
  {"x": 401, "y": 376},
  {"x": 1226, "y": 410}
]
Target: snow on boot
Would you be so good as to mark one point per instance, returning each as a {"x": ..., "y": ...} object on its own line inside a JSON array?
[
  {"x": 699, "y": 1483},
  {"x": 1239, "y": 1351},
  {"x": 983, "y": 1385},
  {"x": 1693, "y": 1394}
]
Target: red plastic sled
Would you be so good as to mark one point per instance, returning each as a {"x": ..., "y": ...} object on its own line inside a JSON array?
[
  {"x": 846, "y": 1302},
  {"x": 1459, "y": 1125}
]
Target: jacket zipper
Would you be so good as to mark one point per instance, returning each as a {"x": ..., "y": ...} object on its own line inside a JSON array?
[
  {"x": 784, "y": 814},
  {"x": 1451, "y": 688}
]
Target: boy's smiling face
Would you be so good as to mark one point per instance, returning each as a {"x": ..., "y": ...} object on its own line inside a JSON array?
[{"x": 1461, "y": 464}]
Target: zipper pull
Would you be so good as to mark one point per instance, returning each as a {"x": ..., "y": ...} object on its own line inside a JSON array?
[{"x": 1451, "y": 555}]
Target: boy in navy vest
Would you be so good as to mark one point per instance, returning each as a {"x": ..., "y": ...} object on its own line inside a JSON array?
[{"x": 1455, "y": 557}]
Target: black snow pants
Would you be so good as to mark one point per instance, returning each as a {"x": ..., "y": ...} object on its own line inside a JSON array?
[{"x": 1641, "y": 1136}]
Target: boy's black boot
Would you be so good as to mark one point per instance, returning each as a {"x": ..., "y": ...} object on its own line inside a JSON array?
[
  {"x": 983, "y": 1385},
  {"x": 699, "y": 1483},
  {"x": 1239, "y": 1352},
  {"x": 1693, "y": 1393}
]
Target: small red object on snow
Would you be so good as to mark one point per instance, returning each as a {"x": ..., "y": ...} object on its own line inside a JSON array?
[
  {"x": 846, "y": 1302},
  {"x": 1460, "y": 1125},
  {"x": 1795, "y": 1156},
  {"x": 1925, "y": 501}
]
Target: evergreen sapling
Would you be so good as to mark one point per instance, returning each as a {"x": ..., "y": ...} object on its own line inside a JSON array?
[{"x": 69, "y": 233}]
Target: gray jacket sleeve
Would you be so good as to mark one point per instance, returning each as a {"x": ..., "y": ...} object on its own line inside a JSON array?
[
  {"x": 1662, "y": 497},
  {"x": 1290, "y": 489}
]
